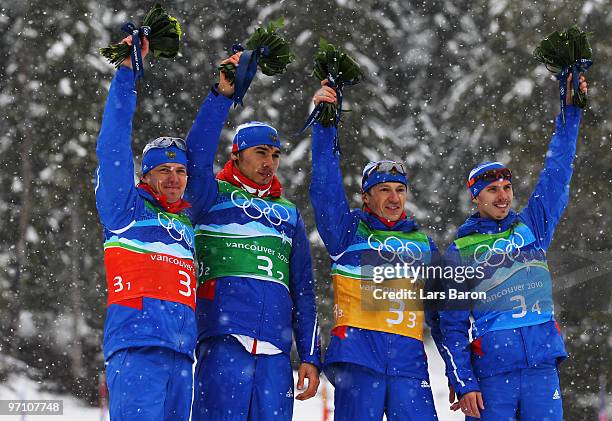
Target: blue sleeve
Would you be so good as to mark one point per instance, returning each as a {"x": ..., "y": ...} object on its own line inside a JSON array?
[
  {"x": 551, "y": 194},
  {"x": 432, "y": 317},
  {"x": 116, "y": 194},
  {"x": 202, "y": 142},
  {"x": 454, "y": 330},
  {"x": 305, "y": 324},
  {"x": 335, "y": 223}
]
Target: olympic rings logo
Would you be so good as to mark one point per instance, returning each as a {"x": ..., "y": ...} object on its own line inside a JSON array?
[
  {"x": 393, "y": 248},
  {"x": 501, "y": 250},
  {"x": 255, "y": 208},
  {"x": 176, "y": 229}
]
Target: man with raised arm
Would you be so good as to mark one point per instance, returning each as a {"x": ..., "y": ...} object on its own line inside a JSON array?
[
  {"x": 150, "y": 326},
  {"x": 517, "y": 344},
  {"x": 255, "y": 283},
  {"x": 376, "y": 358}
]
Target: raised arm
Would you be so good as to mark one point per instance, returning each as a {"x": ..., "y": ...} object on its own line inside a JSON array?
[
  {"x": 202, "y": 142},
  {"x": 551, "y": 194},
  {"x": 116, "y": 193},
  {"x": 333, "y": 217}
]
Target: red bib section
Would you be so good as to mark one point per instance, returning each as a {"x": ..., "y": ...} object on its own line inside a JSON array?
[{"x": 131, "y": 274}]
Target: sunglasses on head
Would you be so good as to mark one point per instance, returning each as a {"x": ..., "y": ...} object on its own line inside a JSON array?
[
  {"x": 492, "y": 175},
  {"x": 164, "y": 142},
  {"x": 385, "y": 166}
]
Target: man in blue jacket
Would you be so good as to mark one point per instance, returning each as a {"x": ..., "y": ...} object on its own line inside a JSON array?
[
  {"x": 376, "y": 359},
  {"x": 150, "y": 326},
  {"x": 255, "y": 283},
  {"x": 517, "y": 344}
]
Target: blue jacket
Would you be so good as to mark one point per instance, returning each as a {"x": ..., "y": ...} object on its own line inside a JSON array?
[
  {"x": 132, "y": 221},
  {"x": 247, "y": 305},
  {"x": 514, "y": 328},
  {"x": 340, "y": 229}
]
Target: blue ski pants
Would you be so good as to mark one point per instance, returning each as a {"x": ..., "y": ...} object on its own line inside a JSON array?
[
  {"x": 149, "y": 383},
  {"x": 528, "y": 394},
  {"x": 232, "y": 384},
  {"x": 364, "y": 394}
]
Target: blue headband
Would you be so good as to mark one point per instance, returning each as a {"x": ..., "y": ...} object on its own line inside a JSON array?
[
  {"x": 255, "y": 133},
  {"x": 480, "y": 184},
  {"x": 372, "y": 176},
  {"x": 157, "y": 156}
]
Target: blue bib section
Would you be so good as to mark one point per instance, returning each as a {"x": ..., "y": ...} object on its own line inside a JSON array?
[{"x": 516, "y": 280}]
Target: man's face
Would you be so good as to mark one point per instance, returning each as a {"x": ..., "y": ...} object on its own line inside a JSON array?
[
  {"x": 168, "y": 180},
  {"x": 386, "y": 200},
  {"x": 259, "y": 163},
  {"x": 495, "y": 200}
]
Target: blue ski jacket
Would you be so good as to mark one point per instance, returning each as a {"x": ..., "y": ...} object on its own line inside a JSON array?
[
  {"x": 514, "y": 327},
  {"x": 250, "y": 296},
  {"x": 149, "y": 253},
  {"x": 388, "y": 340}
]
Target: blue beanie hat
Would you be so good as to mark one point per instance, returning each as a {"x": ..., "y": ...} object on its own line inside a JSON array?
[
  {"x": 371, "y": 176},
  {"x": 254, "y": 133},
  {"x": 154, "y": 155},
  {"x": 477, "y": 185}
]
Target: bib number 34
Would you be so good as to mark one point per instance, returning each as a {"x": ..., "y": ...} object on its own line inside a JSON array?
[{"x": 521, "y": 307}]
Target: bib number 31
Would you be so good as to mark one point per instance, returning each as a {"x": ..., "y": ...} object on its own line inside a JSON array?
[
  {"x": 186, "y": 283},
  {"x": 185, "y": 289}
]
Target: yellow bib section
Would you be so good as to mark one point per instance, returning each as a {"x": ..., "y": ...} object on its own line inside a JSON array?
[{"x": 384, "y": 307}]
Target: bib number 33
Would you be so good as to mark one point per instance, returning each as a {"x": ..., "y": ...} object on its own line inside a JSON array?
[{"x": 399, "y": 313}]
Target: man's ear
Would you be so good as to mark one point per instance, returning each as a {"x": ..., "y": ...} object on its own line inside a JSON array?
[
  {"x": 475, "y": 200},
  {"x": 365, "y": 198},
  {"x": 234, "y": 157}
]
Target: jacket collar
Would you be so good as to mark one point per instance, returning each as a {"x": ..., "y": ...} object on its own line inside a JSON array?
[
  {"x": 231, "y": 174},
  {"x": 160, "y": 201},
  {"x": 377, "y": 223},
  {"x": 481, "y": 225}
]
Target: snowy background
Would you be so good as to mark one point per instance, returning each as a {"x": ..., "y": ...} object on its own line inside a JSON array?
[{"x": 450, "y": 84}]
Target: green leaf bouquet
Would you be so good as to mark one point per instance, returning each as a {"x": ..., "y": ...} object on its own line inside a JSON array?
[
  {"x": 164, "y": 37},
  {"x": 340, "y": 70},
  {"x": 565, "y": 52},
  {"x": 277, "y": 56}
]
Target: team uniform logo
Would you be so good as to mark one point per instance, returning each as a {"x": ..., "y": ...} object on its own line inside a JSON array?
[
  {"x": 497, "y": 253},
  {"x": 177, "y": 230},
  {"x": 256, "y": 208},
  {"x": 392, "y": 249}
]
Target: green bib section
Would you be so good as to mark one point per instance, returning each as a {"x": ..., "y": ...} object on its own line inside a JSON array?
[
  {"x": 246, "y": 236},
  {"x": 265, "y": 258},
  {"x": 487, "y": 249}
]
